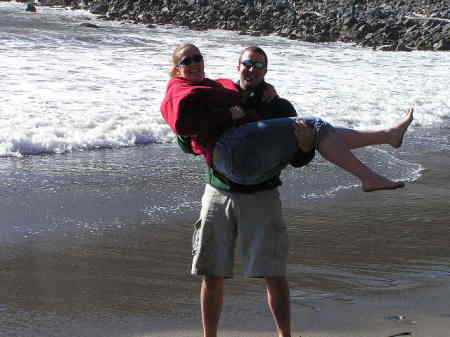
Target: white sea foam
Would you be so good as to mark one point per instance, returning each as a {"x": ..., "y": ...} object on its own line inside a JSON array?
[{"x": 69, "y": 88}]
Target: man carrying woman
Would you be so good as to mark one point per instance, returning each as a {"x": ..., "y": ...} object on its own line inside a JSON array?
[{"x": 247, "y": 209}]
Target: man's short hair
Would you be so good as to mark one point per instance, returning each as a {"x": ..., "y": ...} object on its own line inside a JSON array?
[{"x": 256, "y": 50}]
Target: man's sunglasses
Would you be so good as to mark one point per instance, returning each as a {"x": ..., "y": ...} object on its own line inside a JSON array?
[
  {"x": 257, "y": 65},
  {"x": 188, "y": 60}
]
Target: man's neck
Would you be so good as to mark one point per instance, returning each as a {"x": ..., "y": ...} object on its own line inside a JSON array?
[{"x": 252, "y": 89}]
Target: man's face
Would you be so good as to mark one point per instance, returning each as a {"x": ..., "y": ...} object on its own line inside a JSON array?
[{"x": 250, "y": 75}]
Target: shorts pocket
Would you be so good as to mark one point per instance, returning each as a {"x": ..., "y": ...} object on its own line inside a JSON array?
[{"x": 196, "y": 237}]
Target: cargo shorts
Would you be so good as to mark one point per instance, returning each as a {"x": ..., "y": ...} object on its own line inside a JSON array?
[{"x": 252, "y": 221}]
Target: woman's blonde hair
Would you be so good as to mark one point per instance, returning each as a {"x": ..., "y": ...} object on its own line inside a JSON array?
[{"x": 176, "y": 58}]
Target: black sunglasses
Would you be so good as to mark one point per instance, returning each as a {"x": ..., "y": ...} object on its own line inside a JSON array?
[
  {"x": 257, "y": 64},
  {"x": 188, "y": 60}
]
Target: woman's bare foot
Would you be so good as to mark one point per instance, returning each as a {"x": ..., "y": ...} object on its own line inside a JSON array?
[
  {"x": 376, "y": 182},
  {"x": 395, "y": 134},
  {"x": 304, "y": 135}
]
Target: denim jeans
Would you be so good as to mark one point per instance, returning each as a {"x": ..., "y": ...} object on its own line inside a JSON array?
[{"x": 256, "y": 152}]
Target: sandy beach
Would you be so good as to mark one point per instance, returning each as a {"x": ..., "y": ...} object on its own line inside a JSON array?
[{"x": 135, "y": 281}]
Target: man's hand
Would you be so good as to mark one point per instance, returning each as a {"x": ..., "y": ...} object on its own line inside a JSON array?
[
  {"x": 304, "y": 135},
  {"x": 237, "y": 112},
  {"x": 269, "y": 93}
]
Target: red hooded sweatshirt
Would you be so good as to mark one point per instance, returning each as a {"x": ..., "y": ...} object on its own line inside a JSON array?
[{"x": 200, "y": 110}]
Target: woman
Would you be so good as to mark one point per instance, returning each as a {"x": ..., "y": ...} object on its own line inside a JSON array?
[{"x": 247, "y": 150}]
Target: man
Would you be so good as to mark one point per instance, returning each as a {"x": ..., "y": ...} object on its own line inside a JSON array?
[{"x": 249, "y": 215}]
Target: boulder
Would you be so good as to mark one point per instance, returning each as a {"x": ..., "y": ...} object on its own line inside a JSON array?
[
  {"x": 402, "y": 47},
  {"x": 99, "y": 7},
  {"x": 387, "y": 47},
  {"x": 88, "y": 25},
  {"x": 31, "y": 7},
  {"x": 442, "y": 45}
]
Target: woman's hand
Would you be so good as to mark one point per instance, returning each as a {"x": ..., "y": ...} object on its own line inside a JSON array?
[
  {"x": 269, "y": 93},
  {"x": 237, "y": 112}
]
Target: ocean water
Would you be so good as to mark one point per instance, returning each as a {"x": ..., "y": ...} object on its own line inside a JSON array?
[
  {"x": 83, "y": 148},
  {"x": 68, "y": 88}
]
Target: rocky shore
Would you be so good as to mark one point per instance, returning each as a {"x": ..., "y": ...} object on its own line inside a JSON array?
[{"x": 401, "y": 25}]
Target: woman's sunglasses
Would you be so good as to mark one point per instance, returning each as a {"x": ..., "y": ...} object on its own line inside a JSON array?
[
  {"x": 257, "y": 65},
  {"x": 188, "y": 60}
]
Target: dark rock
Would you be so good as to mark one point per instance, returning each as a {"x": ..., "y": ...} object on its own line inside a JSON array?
[
  {"x": 402, "y": 47},
  {"x": 31, "y": 7},
  {"x": 387, "y": 47},
  {"x": 350, "y": 21},
  {"x": 442, "y": 45},
  {"x": 88, "y": 25},
  {"x": 255, "y": 33},
  {"x": 375, "y": 23},
  {"x": 99, "y": 7}
]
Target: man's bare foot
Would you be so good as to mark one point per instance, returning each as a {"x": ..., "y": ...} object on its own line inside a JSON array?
[
  {"x": 304, "y": 135},
  {"x": 376, "y": 182},
  {"x": 395, "y": 134}
]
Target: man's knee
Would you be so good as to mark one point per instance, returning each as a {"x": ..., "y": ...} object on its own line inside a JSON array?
[
  {"x": 276, "y": 281},
  {"x": 213, "y": 283}
]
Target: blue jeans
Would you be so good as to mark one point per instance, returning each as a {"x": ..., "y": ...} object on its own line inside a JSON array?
[{"x": 256, "y": 152}]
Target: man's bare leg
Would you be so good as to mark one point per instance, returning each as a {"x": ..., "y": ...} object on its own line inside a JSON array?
[
  {"x": 211, "y": 298},
  {"x": 392, "y": 136},
  {"x": 278, "y": 300}
]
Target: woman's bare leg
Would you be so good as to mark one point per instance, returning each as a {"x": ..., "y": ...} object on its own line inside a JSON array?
[
  {"x": 335, "y": 150},
  {"x": 392, "y": 136}
]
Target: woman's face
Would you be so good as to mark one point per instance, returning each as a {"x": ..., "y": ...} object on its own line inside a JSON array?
[{"x": 191, "y": 65}]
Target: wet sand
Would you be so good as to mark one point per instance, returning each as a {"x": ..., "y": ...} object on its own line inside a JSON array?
[{"x": 135, "y": 281}]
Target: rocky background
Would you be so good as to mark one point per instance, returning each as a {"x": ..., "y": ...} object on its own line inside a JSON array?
[{"x": 385, "y": 25}]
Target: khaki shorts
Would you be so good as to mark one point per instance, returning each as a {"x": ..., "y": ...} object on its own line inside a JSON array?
[{"x": 253, "y": 221}]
